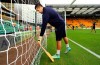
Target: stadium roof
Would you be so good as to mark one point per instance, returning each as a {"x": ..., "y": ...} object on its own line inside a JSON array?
[
  {"x": 77, "y": 10},
  {"x": 78, "y": 2}
]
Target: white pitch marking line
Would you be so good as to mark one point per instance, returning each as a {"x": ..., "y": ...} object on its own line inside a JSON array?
[{"x": 93, "y": 53}]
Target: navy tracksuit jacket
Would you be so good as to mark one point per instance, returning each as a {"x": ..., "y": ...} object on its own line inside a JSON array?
[{"x": 52, "y": 17}]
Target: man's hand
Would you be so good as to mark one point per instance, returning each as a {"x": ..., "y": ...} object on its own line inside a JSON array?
[{"x": 39, "y": 40}]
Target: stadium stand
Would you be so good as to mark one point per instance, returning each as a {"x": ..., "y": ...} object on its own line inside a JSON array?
[{"x": 82, "y": 23}]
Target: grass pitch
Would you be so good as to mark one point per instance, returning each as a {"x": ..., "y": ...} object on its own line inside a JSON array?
[{"x": 77, "y": 56}]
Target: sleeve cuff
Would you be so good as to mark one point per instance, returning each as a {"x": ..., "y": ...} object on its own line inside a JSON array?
[{"x": 40, "y": 38}]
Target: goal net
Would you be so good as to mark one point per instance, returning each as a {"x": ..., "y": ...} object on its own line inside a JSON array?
[{"x": 18, "y": 45}]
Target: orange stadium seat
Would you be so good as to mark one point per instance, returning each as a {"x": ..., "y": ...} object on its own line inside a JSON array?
[{"x": 87, "y": 23}]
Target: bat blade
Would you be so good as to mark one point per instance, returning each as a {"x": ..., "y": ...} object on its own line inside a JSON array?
[{"x": 48, "y": 54}]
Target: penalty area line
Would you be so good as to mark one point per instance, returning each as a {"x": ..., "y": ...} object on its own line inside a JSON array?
[{"x": 91, "y": 52}]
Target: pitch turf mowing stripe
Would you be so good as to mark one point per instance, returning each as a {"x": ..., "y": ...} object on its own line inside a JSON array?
[
  {"x": 77, "y": 56},
  {"x": 98, "y": 56}
]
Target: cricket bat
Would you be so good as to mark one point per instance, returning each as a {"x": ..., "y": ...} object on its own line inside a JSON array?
[{"x": 47, "y": 53}]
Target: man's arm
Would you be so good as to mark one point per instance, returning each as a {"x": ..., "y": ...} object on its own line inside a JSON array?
[{"x": 45, "y": 19}]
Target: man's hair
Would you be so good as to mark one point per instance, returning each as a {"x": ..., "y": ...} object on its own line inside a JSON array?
[{"x": 37, "y": 5}]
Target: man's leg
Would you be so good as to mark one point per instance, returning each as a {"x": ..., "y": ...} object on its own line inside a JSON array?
[
  {"x": 91, "y": 29},
  {"x": 67, "y": 44},
  {"x": 58, "y": 47},
  {"x": 66, "y": 40},
  {"x": 94, "y": 30},
  {"x": 57, "y": 55}
]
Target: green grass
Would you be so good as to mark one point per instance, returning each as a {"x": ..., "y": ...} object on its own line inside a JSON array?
[
  {"x": 77, "y": 56},
  {"x": 86, "y": 38}
]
